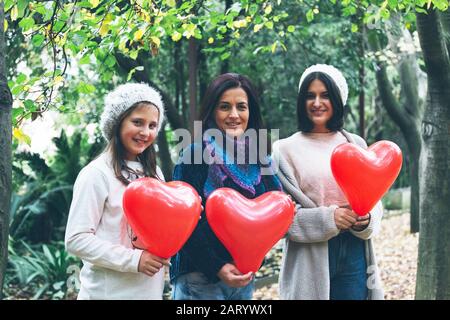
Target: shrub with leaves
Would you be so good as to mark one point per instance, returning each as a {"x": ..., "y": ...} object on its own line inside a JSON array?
[{"x": 40, "y": 272}]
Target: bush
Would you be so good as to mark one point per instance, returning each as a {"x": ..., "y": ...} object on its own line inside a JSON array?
[{"x": 40, "y": 272}]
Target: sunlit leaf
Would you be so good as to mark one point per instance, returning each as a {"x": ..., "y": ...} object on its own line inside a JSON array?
[
  {"x": 94, "y": 3},
  {"x": 21, "y": 136},
  {"x": 176, "y": 36},
  {"x": 138, "y": 35}
]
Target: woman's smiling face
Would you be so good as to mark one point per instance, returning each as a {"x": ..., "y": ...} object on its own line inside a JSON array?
[
  {"x": 139, "y": 129},
  {"x": 232, "y": 112},
  {"x": 318, "y": 106}
]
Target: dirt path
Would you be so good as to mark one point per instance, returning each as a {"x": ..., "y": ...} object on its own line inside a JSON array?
[{"x": 396, "y": 251}]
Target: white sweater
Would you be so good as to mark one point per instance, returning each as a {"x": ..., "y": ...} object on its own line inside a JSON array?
[
  {"x": 97, "y": 232},
  {"x": 304, "y": 273},
  {"x": 311, "y": 160}
]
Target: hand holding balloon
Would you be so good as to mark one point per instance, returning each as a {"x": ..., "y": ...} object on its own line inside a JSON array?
[
  {"x": 231, "y": 276},
  {"x": 150, "y": 264},
  {"x": 361, "y": 223},
  {"x": 344, "y": 218}
]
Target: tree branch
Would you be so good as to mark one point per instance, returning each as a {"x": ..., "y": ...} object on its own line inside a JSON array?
[
  {"x": 434, "y": 49},
  {"x": 128, "y": 64}
]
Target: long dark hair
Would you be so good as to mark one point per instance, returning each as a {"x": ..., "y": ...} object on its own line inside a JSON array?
[
  {"x": 337, "y": 120},
  {"x": 215, "y": 90},
  {"x": 147, "y": 158}
]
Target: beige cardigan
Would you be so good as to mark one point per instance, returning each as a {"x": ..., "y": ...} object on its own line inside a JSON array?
[{"x": 304, "y": 270}]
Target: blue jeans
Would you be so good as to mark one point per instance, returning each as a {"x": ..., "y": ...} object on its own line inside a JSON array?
[
  {"x": 195, "y": 286},
  {"x": 348, "y": 278}
]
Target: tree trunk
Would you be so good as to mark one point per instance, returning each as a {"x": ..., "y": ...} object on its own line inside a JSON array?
[
  {"x": 445, "y": 19},
  {"x": 5, "y": 153},
  {"x": 361, "y": 101},
  {"x": 192, "y": 56},
  {"x": 202, "y": 72},
  {"x": 180, "y": 87},
  {"x": 225, "y": 65},
  {"x": 406, "y": 116},
  {"x": 361, "y": 85},
  {"x": 164, "y": 155},
  {"x": 433, "y": 272}
]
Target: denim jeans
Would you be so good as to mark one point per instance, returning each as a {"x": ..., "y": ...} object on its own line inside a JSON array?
[
  {"x": 348, "y": 267},
  {"x": 195, "y": 286}
]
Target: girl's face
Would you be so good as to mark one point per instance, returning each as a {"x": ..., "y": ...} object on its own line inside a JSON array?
[
  {"x": 139, "y": 129},
  {"x": 232, "y": 112},
  {"x": 318, "y": 106}
]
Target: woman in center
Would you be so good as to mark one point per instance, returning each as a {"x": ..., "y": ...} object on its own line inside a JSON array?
[{"x": 227, "y": 156}]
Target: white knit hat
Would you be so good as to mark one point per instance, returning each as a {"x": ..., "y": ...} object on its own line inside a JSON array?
[
  {"x": 122, "y": 98},
  {"x": 333, "y": 73}
]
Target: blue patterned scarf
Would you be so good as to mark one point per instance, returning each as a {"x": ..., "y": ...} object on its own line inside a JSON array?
[{"x": 225, "y": 164}]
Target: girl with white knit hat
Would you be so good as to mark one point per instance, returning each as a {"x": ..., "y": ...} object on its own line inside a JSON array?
[
  {"x": 97, "y": 230},
  {"x": 328, "y": 253}
]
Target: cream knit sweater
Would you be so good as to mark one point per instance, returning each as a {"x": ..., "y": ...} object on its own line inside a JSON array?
[{"x": 304, "y": 271}]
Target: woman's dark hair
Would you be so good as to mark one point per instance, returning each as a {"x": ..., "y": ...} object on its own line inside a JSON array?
[
  {"x": 217, "y": 88},
  {"x": 147, "y": 158},
  {"x": 337, "y": 120}
]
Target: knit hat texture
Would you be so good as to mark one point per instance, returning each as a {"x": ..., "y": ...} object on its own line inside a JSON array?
[
  {"x": 333, "y": 73},
  {"x": 122, "y": 98}
]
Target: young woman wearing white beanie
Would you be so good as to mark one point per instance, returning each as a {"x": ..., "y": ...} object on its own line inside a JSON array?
[
  {"x": 97, "y": 230},
  {"x": 328, "y": 253}
]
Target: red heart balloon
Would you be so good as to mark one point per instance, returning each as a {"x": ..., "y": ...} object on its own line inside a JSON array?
[
  {"x": 249, "y": 228},
  {"x": 366, "y": 175},
  {"x": 162, "y": 215}
]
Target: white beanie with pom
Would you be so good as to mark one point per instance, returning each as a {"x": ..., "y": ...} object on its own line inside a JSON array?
[
  {"x": 333, "y": 73},
  {"x": 122, "y": 98}
]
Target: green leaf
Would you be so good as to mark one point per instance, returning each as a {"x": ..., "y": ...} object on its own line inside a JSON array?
[
  {"x": 38, "y": 39},
  {"x": 253, "y": 9},
  {"x": 17, "y": 89},
  {"x": 21, "y": 136},
  {"x": 21, "y": 6},
  {"x": 8, "y": 5},
  {"x": 26, "y": 23},
  {"x": 393, "y": 4},
  {"x": 86, "y": 88},
  {"x": 309, "y": 15},
  {"x": 21, "y": 78},
  {"x": 385, "y": 14},
  {"x": 291, "y": 28},
  {"x": 420, "y": 10},
  {"x": 354, "y": 28},
  {"x": 30, "y": 105},
  {"x": 134, "y": 54},
  {"x": 86, "y": 59},
  {"x": 273, "y": 48},
  {"x": 171, "y": 3},
  {"x": 110, "y": 61},
  {"x": 441, "y": 4},
  {"x": 225, "y": 55},
  {"x": 269, "y": 25},
  {"x": 130, "y": 74}
]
